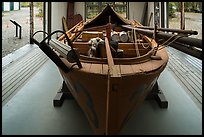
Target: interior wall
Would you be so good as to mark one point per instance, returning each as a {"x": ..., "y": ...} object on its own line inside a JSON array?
[
  {"x": 150, "y": 9},
  {"x": 79, "y": 8},
  {"x": 59, "y": 9},
  {"x": 163, "y": 14},
  {"x": 136, "y": 10}
]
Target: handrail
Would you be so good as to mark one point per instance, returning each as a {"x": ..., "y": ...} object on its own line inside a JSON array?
[{"x": 17, "y": 25}]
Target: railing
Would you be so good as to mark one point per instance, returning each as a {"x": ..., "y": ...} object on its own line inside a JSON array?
[{"x": 17, "y": 25}]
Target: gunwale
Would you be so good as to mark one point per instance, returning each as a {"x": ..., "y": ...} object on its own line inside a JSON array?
[{"x": 143, "y": 67}]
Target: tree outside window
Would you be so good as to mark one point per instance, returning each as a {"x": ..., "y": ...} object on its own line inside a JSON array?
[{"x": 94, "y": 8}]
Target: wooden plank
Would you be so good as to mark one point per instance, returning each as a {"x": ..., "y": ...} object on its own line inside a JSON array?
[
  {"x": 83, "y": 64},
  {"x": 146, "y": 66},
  {"x": 136, "y": 68},
  {"x": 113, "y": 69},
  {"x": 105, "y": 69},
  {"x": 187, "y": 70},
  {"x": 191, "y": 74},
  {"x": 86, "y": 66},
  {"x": 182, "y": 68},
  {"x": 181, "y": 56},
  {"x": 18, "y": 64},
  {"x": 108, "y": 53},
  {"x": 96, "y": 68},
  {"x": 194, "y": 62},
  {"x": 87, "y": 35},
  {"x": 158, "y": 63},
  {"x": 190, "y": 81},
  {"x": 117, "y": 67},
  {"x": 191, "y": 69},
  {"x": 186, "y": 84},
  {"x": 10, "y": 87},
  {"x": 13, "y": 76},
  {"x": 69, "y": 31},
  {"x": 126, "y": 69}
]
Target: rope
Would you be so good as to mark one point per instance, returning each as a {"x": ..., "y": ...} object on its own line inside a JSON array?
[
  {"x": 143, "y": 43},
  {"x": 178, "y": 36},
  {"x": 135, "y": 43}
]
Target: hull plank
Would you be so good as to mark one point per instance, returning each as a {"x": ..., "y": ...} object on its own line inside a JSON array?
[
  {"x": 105, "y": 69},
  {"x": 96, "y": 68},
  {"x": 137, "y": 68},
  {"x": 126, "y": 69},
  {"x": 89, "y": 93}
]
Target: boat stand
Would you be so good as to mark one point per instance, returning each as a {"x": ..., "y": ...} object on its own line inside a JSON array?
[
  {"x": 158, "y": 95},
  {"x": 63, "y": 93}
]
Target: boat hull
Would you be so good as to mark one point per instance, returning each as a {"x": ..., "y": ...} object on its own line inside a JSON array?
[{"x": 109, "y": 101}]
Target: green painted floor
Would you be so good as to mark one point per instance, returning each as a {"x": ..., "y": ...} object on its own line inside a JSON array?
[{"x": 31, "y": 112}]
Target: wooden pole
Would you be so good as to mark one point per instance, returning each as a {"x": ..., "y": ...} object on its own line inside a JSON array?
[
  {"x": 108, "y": 29},
  {"x": 44, "y": 19},
  {"x": 31, "y": 21},
  {"x": 150, "y": 18},
  {"x": 182, "y": 16},
  {"x": 161, "y": 35},
  {"x": 171, "y": 30}
]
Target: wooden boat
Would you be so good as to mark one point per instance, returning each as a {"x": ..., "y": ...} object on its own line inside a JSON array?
[{"x": 114, "y": 79}]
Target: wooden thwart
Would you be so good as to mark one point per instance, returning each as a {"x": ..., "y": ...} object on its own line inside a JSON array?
[{"x": 112, "y": 68}]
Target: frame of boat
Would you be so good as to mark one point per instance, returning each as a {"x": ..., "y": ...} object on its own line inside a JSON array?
[{"x": 108, "y": 88}]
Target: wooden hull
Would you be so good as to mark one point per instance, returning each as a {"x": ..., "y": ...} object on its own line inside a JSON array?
[
  {"x": 108, "y": 101},
  {"x": 110, "y": 84}
]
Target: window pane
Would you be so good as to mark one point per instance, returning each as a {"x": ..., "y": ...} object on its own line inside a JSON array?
[
  {"x": 105, "y": 3},
  {"x": 121, "y": 10},
  {"x": 120, "y": 3},
  {"x": 92, "y": 3},
  {"x": 93, "y": 8},
  {"x": 92, "y": 11}
]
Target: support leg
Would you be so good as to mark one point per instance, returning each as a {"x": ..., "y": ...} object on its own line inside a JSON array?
[
  {"x": 64, "y": 93},
  {"x": 158, "y": 95}
]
